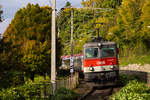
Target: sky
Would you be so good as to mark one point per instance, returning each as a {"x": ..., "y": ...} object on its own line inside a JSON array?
[{"x": 10, "y": 7}]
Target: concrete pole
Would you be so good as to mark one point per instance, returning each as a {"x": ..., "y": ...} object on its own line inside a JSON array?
[
  {"x": 1, "y": 13},
  {"x": 148, "y": 26},
  {"x": 53, "y": 47},
  {"x": 71, "y": 44}
]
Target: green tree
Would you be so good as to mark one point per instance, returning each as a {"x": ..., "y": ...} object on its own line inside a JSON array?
[
  {"x": 36, "y": 58},
  {"x": 67, "y": 4},
  {"x": 10, "y": 56},
  {"x": 102, "y": 3},
  {"x": 30, "y": 23},
  {"x": 81, "y": 17},
  {"x": 126, "y": 24},
  {"x": 145, "y": 13},
  {"x": 145, "y": 20},
  {"x": 9, "y": 64},
  {"x": 31, "y": 26},
  {"x": 127, "y": 30},
  {"x": 84, "y": 26}
]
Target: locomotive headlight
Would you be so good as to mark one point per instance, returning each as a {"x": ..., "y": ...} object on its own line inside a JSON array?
[
  {"x": 99, "y": 44},
  {"x": 91, "y": 68},
  {"x": 111, "y": 67}
]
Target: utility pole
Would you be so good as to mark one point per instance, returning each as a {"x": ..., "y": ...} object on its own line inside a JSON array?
[
  {"x": 71, "y": 44},
  {"x": 53, "y": 47},
  {"x": 148, "y": 26},
  {"x": 1, "y": 13}
]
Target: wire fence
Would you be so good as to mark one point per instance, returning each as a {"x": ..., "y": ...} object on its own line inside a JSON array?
[
  {"x": 36, "y": 91},
  {"x": 70, "y": 82}
]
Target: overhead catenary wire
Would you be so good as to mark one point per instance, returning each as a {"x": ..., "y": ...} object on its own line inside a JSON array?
[{"x": 88, "y": 8}]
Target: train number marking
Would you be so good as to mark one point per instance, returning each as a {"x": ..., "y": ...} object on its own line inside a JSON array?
[{"x": 100, "y": 62}]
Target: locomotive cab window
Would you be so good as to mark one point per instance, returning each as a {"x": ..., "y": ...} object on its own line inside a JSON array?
[
  {"x": 91, "y": 52},
  {"x": 108, "y": 52}
]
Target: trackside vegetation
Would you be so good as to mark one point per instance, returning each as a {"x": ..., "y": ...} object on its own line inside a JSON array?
[
  {"x": 32, "y": 91},
  {"x": 40, "y": 89},
  {"x": 134, "y": 90},
  {"x": 134, "y": 59}
]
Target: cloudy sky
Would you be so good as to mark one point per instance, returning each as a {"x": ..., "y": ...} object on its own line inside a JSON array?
[{"x": 11, "y": 6}]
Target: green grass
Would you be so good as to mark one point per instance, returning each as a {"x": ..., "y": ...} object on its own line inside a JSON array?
[{"x": 134, "y": 59}]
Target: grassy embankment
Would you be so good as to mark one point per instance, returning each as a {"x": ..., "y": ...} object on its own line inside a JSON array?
[
  {"x": 143, "y": 59},
  {"x": 134, "y": 56}
]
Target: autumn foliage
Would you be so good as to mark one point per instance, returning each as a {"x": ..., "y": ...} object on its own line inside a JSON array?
[{"x": 28, "y": 41}]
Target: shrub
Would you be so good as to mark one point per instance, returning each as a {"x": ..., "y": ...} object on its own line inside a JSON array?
[
  {"x": 9, "y": 79},
  {"x": 125, "y": 79},
  {"x": 134, "y": 90},
  {"x": 34, "y": 91},
  {"x": 27, "y": 91},
  {"x": 65, "y": 94}
]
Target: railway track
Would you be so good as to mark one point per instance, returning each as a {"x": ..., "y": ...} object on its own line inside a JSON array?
[
  {"x": 101, "y": 93},
  {"x": 90, "y": 91}
]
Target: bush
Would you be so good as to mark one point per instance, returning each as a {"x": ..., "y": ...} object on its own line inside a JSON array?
[
  {"x": 65, "y": 94},
  {"x": 134, "y": 90},
  {"x": 125, "y": 79},
  {"x": 34, "y": 91},
  {"x": 27, "y": 91},
  {"x": 9, "y": 79}
]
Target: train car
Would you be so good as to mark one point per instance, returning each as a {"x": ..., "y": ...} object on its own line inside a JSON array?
[
  {"x": 77, "y": 61},
  {"x": 100, "y": 60}
]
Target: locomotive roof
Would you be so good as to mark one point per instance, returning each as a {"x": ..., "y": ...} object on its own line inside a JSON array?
[{"x": 95, "y": 44}]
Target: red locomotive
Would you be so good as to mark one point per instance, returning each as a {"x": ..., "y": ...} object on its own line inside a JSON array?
[{"x": 100, "y": 60}]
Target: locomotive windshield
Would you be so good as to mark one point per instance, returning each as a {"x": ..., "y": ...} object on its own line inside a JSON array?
[
  {"x": 108, "y": 52},
  {"x": 91, "y": 52}
]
